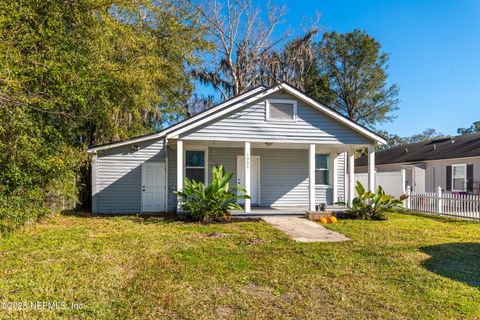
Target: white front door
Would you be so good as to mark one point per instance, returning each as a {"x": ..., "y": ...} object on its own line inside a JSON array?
[
  {"x": 254, "y": 179},
  {"x": 418, "y": 180},
  {"x": 153, "y": 187}
]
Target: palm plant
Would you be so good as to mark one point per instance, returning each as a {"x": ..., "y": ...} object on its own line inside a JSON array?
[
  {"x": 372, "y": 206},
  {"x": 214, "y": 201}
]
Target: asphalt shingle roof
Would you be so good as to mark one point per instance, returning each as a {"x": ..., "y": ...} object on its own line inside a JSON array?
[{"x": 447, "y": 148}]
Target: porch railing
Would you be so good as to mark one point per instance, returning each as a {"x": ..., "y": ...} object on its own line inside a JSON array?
[{"x": 443, "y": 203}]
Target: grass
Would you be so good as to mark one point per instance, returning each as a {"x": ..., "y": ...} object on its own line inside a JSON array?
[{"x": 128, "y": 267}]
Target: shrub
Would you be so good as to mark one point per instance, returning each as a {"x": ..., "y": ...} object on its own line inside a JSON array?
[
  {"x": 204, "y": 203},
  {"x": 19, "y": 208},
  {"x": 372, "y": 206}
]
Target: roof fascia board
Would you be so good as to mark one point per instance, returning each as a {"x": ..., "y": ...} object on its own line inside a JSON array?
[
  {"x": 422, "y": 161},
  {"x": 124, "y": 143},
  {"x": 256, "y": 140}
]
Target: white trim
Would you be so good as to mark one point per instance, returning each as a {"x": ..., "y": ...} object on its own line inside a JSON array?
[
  {"x": 124, "y": 143},
  {"x": 412, "y": 163},
  {"x": 204, "y": 120},
  {"x": 259, "y": 187},
  {"x": 231, "y": 105},
  {"x": 180, "y": 124},
  {"x": 371, "y": 168},
  {"x": 333, "y": 114},
  {"x": 351, "y": 176},
  {"x": 205, "y": 167},
  {"x": 464, "y": 165},
  {"x": 283, "y": 101},
  {"x": 179, "y": 172},
  {"x": 246, "y": 170},
  {"x": 329, "y": 167},
  {"x": 255, "y": 140},
  {"x": 311, "y": 177},
  {"x": 295, "y": 93},
  {"x": 345, "y": 176},
  {"x": 165, "y": 141},
  {"x": 94, "y": 183}
]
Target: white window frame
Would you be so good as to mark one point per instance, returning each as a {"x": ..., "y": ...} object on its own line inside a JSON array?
[
  {"x": 329, "y": 168},
  {"x": 464, "y": 165},
  {"x": 284, "y": 101},
  {"x": 196, "y": 148}
]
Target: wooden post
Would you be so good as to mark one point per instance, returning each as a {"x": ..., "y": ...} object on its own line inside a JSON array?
[
  {"x": 439, "y": 200},
  {"x": 311, "y": 177},
  {"x": 247, "y": 186}
]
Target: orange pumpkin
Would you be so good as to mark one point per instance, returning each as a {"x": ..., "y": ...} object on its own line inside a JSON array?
[
  {"x": 332, "y": 219},
  {"x": 323, "y": 220}
]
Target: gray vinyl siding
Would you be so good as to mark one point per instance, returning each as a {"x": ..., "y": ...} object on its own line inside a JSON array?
[
  {"x": 172, "y": 179},
  {"x": 119, "y": 176},
  {"x": 436, "y": 173},
  {"x": 341, "y": 176},
  {"x": 283, "y": 175},
  {"x": 249, "y": 124}
]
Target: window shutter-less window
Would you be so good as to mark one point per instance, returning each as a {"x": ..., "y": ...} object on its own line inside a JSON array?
[
  {"x": 470, "y": 178},
  {"x": 281, "y": 111},
  {"x": 449, "y": 178}
]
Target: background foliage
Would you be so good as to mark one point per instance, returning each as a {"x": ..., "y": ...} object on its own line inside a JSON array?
[{"x": 79, "y": 73}]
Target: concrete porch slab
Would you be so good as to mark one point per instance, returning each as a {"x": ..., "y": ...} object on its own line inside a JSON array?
[
  {"x": 304, "y": 230},
  {"x": 282, "y": 211}
]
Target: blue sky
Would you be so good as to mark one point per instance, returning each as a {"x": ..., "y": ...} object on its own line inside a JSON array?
[{"x": 434, "y": 49}]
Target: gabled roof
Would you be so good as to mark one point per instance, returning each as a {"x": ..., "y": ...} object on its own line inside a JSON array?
[
  {"x": 446, "y": 148},
  {"x": 238, "y": 102},
  {"x": 165, "y": 131}
]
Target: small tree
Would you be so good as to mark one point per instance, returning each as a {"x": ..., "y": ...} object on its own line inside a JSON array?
[
  {"x": 205, "y": 203},
  {"x": 373, "y": 206}
]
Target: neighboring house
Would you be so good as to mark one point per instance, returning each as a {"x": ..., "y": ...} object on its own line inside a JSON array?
[
  {"x": 292, "y": 148},
  {"x": 451, "y": 163}
]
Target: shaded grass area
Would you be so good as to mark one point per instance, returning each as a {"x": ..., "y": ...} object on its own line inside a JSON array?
[{"x": 129, "y": 267}]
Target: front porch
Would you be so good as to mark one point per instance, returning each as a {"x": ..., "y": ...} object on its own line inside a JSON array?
[
  {"x": 283, "y": 211},
  {"x": 282, "y": 178}
]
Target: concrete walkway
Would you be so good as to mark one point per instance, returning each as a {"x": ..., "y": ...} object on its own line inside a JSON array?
[{"x": 304, "y": 230}]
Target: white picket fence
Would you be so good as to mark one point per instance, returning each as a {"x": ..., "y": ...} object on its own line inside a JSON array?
[{"x": 447, "y": 204}]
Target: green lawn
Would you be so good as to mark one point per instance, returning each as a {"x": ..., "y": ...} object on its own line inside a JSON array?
[{"x": 127, "y": 267}]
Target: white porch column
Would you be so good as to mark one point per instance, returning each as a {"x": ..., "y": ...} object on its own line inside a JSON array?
[
  {"x": 351, "y": 176},
  {"x": 371, "y": 168},
  {"x": 311, "y": 177},
  {"x": 179, "y": 172},
  {"x": 246, "y": 158},
  {"x": 335, "y": 176}
]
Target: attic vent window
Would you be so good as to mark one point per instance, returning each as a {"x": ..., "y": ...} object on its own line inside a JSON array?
[{"x": 281, "y": 110}]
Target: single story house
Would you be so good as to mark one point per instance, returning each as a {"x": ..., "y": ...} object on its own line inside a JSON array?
[
  {"x": 285, "y": 148},
  {"x": 450, "y": 163}
]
